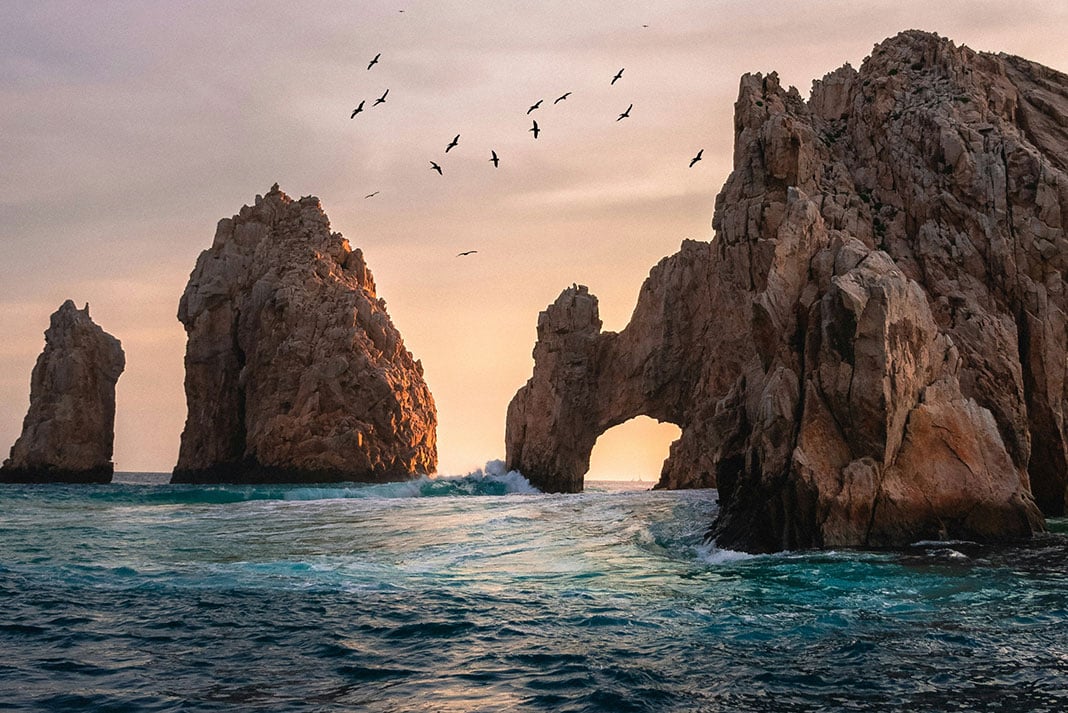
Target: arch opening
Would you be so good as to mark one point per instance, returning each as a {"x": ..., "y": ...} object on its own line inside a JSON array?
[{"x": 635, "y": 450}]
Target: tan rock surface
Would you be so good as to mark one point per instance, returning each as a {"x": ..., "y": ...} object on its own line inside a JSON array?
[
  {"x": 294, "y": 371},
  {"x": 878, "y": 351},
  {"x": 69, "y": 430}
]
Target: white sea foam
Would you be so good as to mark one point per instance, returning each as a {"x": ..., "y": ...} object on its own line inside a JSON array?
[
  {"x": 711, "y": 554},
  {"x": 496, "y": 471},
  {"x": 941, "y": 543}
]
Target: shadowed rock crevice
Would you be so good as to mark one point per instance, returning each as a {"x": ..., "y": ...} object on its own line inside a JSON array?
[
  {"x": 294, "y": 371},
  {"x": 68, "y": 434},
  {"x": 872, "y": 349}
]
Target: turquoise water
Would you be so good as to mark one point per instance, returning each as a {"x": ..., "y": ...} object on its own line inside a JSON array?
[{"x": 477, "y": 594}]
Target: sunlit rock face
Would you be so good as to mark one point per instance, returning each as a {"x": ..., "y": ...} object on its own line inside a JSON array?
[
  {"x": 294, "y": 371},
  {"x": 69, "y": 430},
  {"x": 872, "y": 349}
]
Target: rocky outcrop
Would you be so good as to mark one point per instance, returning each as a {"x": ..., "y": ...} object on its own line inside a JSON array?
[
  {"x": 69, "y": 430},
  {"x": 294, "y": 371},
  {"x": 872, "y": 349}
]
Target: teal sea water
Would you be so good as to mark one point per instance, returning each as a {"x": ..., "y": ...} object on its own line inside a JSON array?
[{"x": 479, "y": 594}]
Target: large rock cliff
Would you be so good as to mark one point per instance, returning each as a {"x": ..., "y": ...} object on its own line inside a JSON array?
[
  {"x": 872, "y": 349},
  {"x": 69, "y": 430},
  {"x": 294, "y": 371}
]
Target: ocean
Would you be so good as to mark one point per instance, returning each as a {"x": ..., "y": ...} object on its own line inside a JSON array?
[{"x": 477, "y": 593}]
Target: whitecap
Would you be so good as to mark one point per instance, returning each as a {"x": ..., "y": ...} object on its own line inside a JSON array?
[{"x": 710, "y": 554}]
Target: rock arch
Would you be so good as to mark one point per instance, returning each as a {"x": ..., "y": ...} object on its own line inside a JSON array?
[{"x": 872, "y": 350}]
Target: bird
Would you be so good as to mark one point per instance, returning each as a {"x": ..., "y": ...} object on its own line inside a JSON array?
[
  {"x": 358, "y": 109},
  {"x": 536, "y": 105},
  {"x": 435, "y": 167},
  {"x": 535, "y": 129},
  {"x": 374, "y": 61},
  {"x": 466, "y": 252},
  {"x": 452, "y": 144},
  {"x": 371, "y": 195},
  {"x": 618, "y": 75},
  {"x": 625, "y": 114},
  {"x": 495, "y": 160},
  {"x": 696, "y": 158},
  {"x": 561, "y": 98},
  {"x": 381, "y": 99}
]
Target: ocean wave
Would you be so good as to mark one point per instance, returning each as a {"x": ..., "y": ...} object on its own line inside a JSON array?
[
  {"x": 710, "y": 554},
  {"x": 491, "y": 480}
]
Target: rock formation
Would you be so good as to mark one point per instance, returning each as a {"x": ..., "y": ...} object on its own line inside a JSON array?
[
  {"x": 872, "y": 349},
  {"x": 69, "y": 430},
  {"x": 294, "y": 371}
]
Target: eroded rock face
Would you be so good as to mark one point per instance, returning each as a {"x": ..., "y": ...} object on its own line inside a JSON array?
[
  {"x": 69, "y": 430},
  {"x": 294, "y": 371},
  {"x": 878, "y": 355}
]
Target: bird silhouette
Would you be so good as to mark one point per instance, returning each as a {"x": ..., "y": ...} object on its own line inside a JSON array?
[
  {"x": 466, "y": 252},
  {"x": 381, "y": 99},
  {"x": 371, "y": 195},
  {"x": 536, "y": 105},
  {"x": 495, "y": 160},
  {"x": 561, "y": 98},
  {"x": 535, "y": 129},
  {"x": 625, "y": 114},
  {"x": 696, "y": 158},
  {"x": 374, "y": 61},
  {"x": 358, "y": 109},
  {"x": 435, "y": 167},
  {"x": 452, "y": 144},
  {"x": 618, "y": 75}
]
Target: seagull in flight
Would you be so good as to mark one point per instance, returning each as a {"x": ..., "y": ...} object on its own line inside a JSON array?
[
  {"x": 560, "y": 99},
  {"x": 536, "y": 105},
  {"x": 452, "y": 144},
  {"x": 435, "y": 167},
  {"x": 381, "y": 99},
  {"x": 374, "y": 61},
  {"x": 535, "y": 129},
  {"x": 618, "y": 75},
  {"x": 696, "y": 158},
  {"x": 371, "y": 195},
  {"x": 495, "y": 160},
  {"x": 358, "y": 109},
  {"x": 466, "y": 252},
  {"x": 625, "y": 114}
]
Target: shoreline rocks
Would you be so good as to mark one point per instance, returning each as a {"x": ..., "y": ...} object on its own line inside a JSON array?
[
  {"x": 872, "y": 350},
  {"x": 68, "y": 433},
  {"x": 294, "y": 371}
]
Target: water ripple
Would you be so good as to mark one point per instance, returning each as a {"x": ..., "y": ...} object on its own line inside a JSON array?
[{"x": 474, "y": 595}]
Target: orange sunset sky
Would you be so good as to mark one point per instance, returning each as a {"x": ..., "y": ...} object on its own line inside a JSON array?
[{"x": 128, "y": 129}]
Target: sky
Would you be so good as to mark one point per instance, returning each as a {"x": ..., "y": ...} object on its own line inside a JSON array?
[{"x": 128, "y": 129}]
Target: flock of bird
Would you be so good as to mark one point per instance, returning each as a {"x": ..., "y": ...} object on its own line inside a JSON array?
[{"x": 494, "y": 158}]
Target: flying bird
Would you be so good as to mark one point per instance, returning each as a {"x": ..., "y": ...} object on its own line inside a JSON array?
[
  {"x": 618, "y": 75},
  {"x": 696, "y": 158},
  {"x": 381, "y": 99},
  {"x": 435, "y": 167},
  {"x": 495, "y": 160},
  {"x": 466, "y": 252},
  {"x": 374, "y": 61},
  {"x": 560, "y": 99},
  {"x": 535, "y": 129},
  {"x": 625, "y": 114},
  {"x": 371, "y": 195},
  {"x": 536, "y": 105},
  {"x": 358, "y": 109},
  {"x": 452, "y": 144}
]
